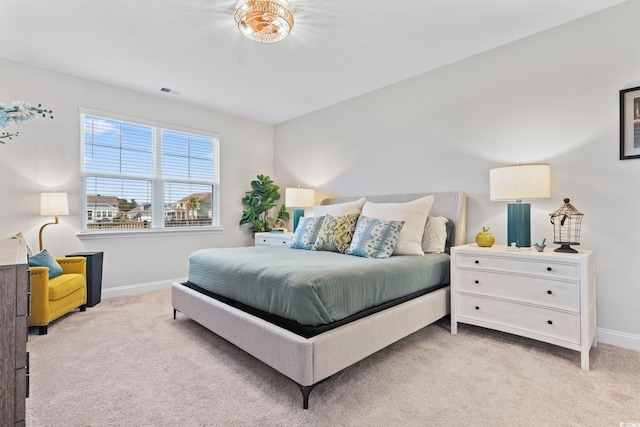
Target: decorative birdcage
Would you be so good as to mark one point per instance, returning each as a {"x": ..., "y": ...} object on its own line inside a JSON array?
[{"x": 566, "y": 227}]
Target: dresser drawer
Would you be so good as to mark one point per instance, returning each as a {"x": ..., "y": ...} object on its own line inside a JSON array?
[
  {"x": 547, "y": 292},
  {"x": 23, "y": 289},
  {"x": 509, "y": 316},
  {"x": 21, "y": 341},
  {"x": 21, "y": 393},
  {"x": 542, "y": 268}
]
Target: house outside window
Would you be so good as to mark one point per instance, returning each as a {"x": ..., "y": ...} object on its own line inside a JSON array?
[{"x": 141, "y": 175}]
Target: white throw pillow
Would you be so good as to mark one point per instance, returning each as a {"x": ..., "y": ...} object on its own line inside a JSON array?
[
  {"x": 414, "y": 214},
  {"x": 435, "y": 235},
  {"x": 339, "y": 209}
]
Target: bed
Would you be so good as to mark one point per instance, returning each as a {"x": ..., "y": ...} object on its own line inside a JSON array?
[{"x": 308, "y": 357}]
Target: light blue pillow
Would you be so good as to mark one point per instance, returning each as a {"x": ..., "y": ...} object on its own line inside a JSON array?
[
  {"x": 375, "y": 238},
  {"x": 44, "y": 259},
  {"x": 307, "y": 232}
]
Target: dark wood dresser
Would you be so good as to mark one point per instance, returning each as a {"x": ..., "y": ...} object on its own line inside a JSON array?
[{"x": 14, "y": 307}]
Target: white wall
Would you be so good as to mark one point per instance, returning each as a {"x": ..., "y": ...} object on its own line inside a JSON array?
[
  {"x": 552, "y": 97},
  {"x": 46, "y": 157}
]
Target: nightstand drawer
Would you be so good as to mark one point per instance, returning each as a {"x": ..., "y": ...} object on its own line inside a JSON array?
[
  {"x": 530, "y": 319},
  {"x": 273, "y": 239},
  {"x": 525, "y": 266},
  {"x": 550, "y": 293}
]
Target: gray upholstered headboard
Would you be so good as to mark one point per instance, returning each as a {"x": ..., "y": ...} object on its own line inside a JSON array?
[{"x": 452, "y": 205}]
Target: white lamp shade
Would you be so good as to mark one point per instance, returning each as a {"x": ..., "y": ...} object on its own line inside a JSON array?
[
  {"x": 518, "y": 182},
  {"x": 54, "y": 204},
  {"x": 299, "y": 197}
]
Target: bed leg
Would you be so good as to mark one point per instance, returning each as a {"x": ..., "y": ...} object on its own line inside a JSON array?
[{"x": 306, "y": 390}]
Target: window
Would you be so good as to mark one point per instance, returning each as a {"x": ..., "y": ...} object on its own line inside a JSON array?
[{"x": 141, "y": 175}]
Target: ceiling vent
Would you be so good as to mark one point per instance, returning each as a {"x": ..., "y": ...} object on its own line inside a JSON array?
[{"x": 171, "y": 91}]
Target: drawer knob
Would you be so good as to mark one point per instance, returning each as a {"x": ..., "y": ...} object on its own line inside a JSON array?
[
  {"x": 477, "y": 308},
  {"x": 477, "y": 262},
  {"x": 550, "y": 322},
  {"x": 476, "y": 282},
  {"x": 549, "y": 292},
  {"x": 549, "y": 268}
]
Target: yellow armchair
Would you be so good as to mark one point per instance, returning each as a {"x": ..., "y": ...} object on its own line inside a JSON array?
[{"x": 52, "y": 298}]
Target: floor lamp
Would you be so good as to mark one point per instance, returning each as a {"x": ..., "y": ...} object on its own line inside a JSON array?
[
  {"x": 52, "y": 204},
  {"x": 516, "y": 183},
  {"x": 299, "y": 198}
]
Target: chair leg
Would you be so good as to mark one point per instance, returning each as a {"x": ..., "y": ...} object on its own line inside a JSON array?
[
  {"x": 42, "y": 330},
  {"x": 83, "y": 307}
]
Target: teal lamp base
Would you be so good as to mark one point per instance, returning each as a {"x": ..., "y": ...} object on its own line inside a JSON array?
[
  {"x": 519, "y": 224},
  {"x": 297, "y": 213}
]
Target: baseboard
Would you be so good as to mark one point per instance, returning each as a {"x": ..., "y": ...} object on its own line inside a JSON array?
[
  {"x": 619, "y": 339},
  {"x": 140, "y": 288}
]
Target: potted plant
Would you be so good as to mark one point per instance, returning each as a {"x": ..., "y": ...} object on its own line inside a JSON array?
[{"x": 259, "y": 201}]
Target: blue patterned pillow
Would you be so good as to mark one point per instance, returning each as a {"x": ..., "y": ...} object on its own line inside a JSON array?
[
  {"x": 375, "y": 238},
  {"x": 307, "y": 232},
  {"x": 44, "y": 259}
]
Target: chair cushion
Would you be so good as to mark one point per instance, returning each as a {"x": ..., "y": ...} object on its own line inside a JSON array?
[{"x": 65, "y": 284}]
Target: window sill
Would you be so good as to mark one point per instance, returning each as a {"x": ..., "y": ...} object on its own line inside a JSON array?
[{"x": 117, "y": 234}]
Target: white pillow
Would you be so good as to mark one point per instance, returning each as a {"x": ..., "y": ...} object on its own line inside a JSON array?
[
  {"x": 435, "y": 235},
  {"x": 339, "y": 209},
  {"x": 414, "y": 214}
]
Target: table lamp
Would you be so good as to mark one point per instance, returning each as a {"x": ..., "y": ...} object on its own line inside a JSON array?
[
  {"x": 299, "y": 198},
  {"x": 52, "y": 204},
  {"x": 515, "y": 183}
]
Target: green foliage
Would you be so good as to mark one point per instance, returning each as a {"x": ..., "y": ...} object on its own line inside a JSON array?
[
  {"x": 283, "y": 214},
  {"x": 126, "y": 206},
  {"x": 258, "y": 202}
]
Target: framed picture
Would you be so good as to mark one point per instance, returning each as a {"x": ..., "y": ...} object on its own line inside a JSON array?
[{"x": 630, "y": 123}]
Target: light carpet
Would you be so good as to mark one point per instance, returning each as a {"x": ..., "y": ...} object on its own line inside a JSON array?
[{"x": 126, "y": 362}]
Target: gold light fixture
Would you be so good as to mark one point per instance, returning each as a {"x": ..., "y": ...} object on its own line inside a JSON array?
[
  {"x": 52, "y": 204},
  {"x": 265, "y": 21}
]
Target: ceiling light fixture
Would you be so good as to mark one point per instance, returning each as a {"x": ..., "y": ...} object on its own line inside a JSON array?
[{"x": 265, "y": 21}]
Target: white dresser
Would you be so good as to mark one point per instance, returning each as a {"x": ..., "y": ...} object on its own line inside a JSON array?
[
  {"x": 548, "y": 296},
  {"x": 272, "y": 239}
]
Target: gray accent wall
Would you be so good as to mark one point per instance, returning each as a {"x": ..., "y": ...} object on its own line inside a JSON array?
[{"x": 552, "y": 97}]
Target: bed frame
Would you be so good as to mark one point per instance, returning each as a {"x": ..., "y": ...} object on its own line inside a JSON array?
[{"x": 308, "y": 361}]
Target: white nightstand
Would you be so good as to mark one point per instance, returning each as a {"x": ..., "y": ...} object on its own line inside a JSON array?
[
  {"x": 273, "y": 239},
  {"x": 548, "y": 296}
]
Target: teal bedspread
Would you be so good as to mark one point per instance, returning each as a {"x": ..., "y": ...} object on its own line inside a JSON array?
[{"x": 311, "y": 287}]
